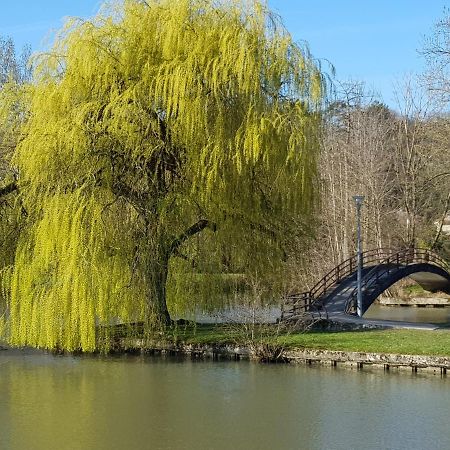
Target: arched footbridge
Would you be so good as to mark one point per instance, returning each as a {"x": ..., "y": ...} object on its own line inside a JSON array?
[{"x": 336, "y": 292}]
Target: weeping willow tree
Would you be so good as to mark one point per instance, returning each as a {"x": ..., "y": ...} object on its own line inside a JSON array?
[
  {"x": 15, "y": 74},
  {"x": 166, "y": 139}
]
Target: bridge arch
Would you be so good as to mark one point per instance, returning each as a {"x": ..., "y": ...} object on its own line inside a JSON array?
[
  {"x": 430, "y": 277},
  {"x": 336, "y": 292}
]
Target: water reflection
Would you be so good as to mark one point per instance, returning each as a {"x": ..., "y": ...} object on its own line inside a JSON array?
[{"x": 87, "y": 403}]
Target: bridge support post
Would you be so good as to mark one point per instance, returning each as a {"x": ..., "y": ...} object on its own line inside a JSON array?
[{"x": 359, "y": 201}]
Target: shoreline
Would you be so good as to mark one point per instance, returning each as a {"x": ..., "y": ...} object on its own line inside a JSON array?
[
  {"x": 415, "y": 302},
  {"x": 385, "y": 361},
  {"x": 413, "y": 350},
  {"x": 307, "y": 356}
]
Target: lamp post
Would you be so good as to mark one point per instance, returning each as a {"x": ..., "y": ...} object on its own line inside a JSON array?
[{"x": 358, "y": 202}]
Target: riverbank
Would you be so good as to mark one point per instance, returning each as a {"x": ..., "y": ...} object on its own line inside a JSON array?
[
  {"x": 416, "y": 302},
  {"x": 400, "y": 341},
  {"x": 393, "y": 349},
  {"x": 354, "y": 360},
  {"x": 415, "y": 350}
]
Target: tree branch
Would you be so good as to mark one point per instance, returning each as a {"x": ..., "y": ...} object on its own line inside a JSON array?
[
  {"x": 191, "y": 231},
  {"x": 443, "y": 174},
  {"x": 11, "y": 187}
]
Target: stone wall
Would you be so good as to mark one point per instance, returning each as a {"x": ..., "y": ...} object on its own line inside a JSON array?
[{"x": 358, "y": 360}]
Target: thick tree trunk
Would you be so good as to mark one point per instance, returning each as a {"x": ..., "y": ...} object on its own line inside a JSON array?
[
  {"x": 157, "y": 254},
  {"x": 158, "y": 295},
  {"x": 158, "y": 269},
  {"x": 155, "y": 258}
]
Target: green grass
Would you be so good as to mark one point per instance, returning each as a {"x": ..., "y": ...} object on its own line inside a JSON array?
[
  {"x": 408, "y": 342},
  {"x": 414, "y": 290},
  {"x": 411, "y": 342}
]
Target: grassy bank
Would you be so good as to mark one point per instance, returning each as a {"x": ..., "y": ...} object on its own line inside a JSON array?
[
  {"x": 406, "y": 342},
  {"x": 409, "y": 342}
]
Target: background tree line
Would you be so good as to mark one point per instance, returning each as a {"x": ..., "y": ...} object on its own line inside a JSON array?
[
  {"x": 398, "y": 159},
  {"x": 400, "y": 162}
]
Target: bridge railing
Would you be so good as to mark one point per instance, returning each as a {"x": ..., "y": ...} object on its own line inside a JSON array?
[
  {"x": 296, "y": 304},
  {"x": 393, "y": 262}
]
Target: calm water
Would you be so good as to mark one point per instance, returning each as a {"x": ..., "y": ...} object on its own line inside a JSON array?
[
  {"x": 60, "y": 403},
  {"x": 271, "y": 314},
  {"x": 409, "y": 314}
]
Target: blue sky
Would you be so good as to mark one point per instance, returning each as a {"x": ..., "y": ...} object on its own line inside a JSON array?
[{"x": 374, "y": 41}]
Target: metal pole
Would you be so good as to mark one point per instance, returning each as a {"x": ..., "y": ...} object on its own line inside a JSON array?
[{"x": 358, "y": 201}]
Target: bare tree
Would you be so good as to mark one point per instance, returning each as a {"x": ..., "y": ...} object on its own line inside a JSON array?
[
  {"x": 15, "y": 72},
  {"x": 422, "y": 162},
  {"x": 13, "y": 66},
  {"x": 437, "y": 54},
  {"x": 398, "y": 160},
  {"x": 357, "y": 160}
]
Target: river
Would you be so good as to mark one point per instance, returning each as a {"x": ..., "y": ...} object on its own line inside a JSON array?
[
  {"x": 439, "y": 316},
  {"x": 131, "y": 402}
]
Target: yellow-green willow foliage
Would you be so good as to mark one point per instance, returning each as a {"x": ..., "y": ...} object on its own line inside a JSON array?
[
  {"x": 13, "y": 98},
  {"x": 67, "y": 275},
  {"x": 169, "y": 140}
]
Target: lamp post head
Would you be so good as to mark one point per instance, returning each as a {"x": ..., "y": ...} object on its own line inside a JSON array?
[{"x": 358, "y": 200}]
